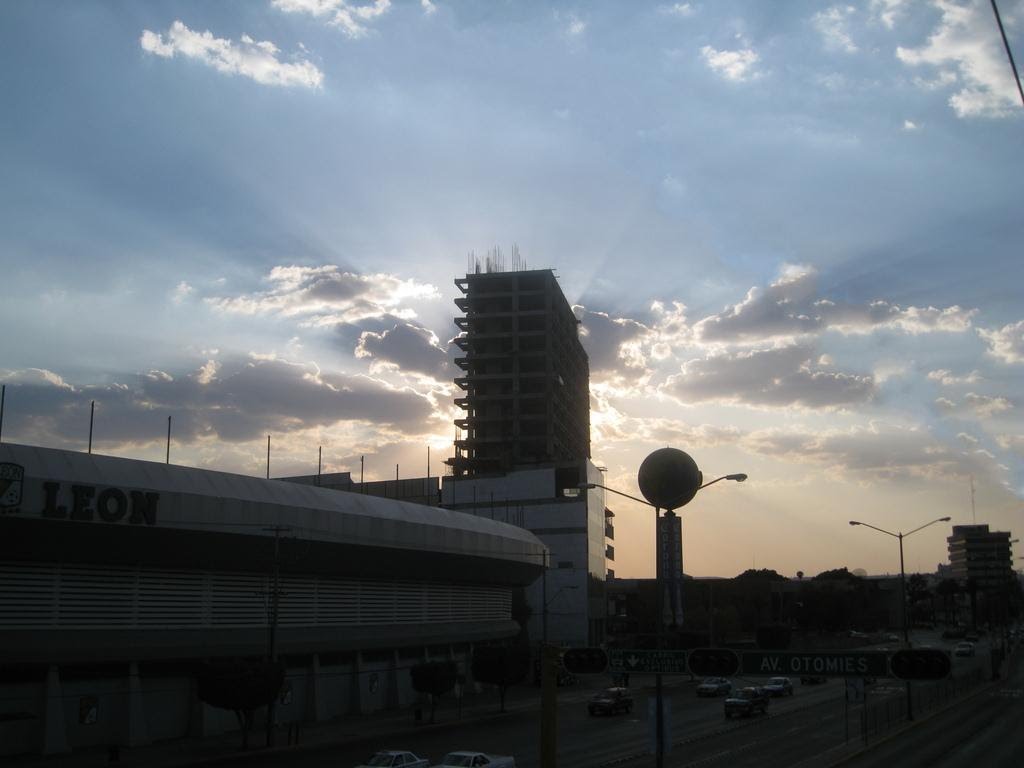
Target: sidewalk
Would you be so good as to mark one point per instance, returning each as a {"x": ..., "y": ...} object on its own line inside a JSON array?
[{"x": 350, "y": 729}]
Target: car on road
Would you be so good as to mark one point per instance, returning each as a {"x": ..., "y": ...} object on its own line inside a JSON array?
[
  {"x": 468, "y": 759},
  {"x": 746, "y": 702},
  {"x": 395, "y": 758},
  {"x": 813, "y": 680},
  {"x": 779, "y": 686},
  {"x": 714, "y": 686},
  {"x": 609, "y": 701},
  {"x": 964, "y": 649}
]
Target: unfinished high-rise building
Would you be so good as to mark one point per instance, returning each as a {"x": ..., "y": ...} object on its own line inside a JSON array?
[{"x": 525, "y": 382}]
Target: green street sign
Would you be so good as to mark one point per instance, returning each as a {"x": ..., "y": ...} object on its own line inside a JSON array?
[
  {"x": 825, "y": 663},
  {"x": 667, "y": 662}
]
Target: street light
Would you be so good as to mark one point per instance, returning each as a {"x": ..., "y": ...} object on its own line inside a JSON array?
[
  {"x": 548, "y": 601},
  {"x": 903, "y": 586},
  {"x": 687, "y": 494}
]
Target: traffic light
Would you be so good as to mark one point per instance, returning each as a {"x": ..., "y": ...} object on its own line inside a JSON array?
[
  {"x": 920, "y": 664},
  {"x": 713, "y": 662},
  {"x": 585, "y": 661}
]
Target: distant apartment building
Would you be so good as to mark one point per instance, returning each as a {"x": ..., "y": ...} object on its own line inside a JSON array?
[{"x": 980, "y": 556}]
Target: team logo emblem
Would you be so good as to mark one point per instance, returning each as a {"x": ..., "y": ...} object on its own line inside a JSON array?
[{"x": 11, "y": 482}]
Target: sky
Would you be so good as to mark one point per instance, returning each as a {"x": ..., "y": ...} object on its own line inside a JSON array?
[{"x": 791, "y": 231}]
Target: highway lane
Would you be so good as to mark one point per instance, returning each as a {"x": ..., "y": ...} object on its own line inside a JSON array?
[
  {"x": 583, "y": 741},
  {"x": 983, "y": 730}
]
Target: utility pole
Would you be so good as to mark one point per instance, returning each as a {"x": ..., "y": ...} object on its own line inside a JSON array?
[
  {"x": 273, "y": 603},
  {"x": 92, "y": 411}
]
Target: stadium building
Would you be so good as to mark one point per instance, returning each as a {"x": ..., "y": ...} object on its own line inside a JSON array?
[{"x": 117, "y": 576}]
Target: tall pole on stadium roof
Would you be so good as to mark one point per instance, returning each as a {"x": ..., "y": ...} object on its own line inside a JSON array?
[
  {"x": 3, "y": 395},
  {"x": 319, "y": 462},
  {"x": 168, "y": 459},
  {"x": 268, "y": 457},
  {"x": 92, "y": 413}
]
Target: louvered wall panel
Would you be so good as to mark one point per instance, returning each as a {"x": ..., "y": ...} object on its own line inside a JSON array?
[
  {"x": 238, "y": 600},
  {"x": 171, "y": 599},
  {"x": 50, "y": 595},
  {"x": 95, "y": 597},
  {"x": 28, "y": 596},
  {"x": 338, "y": 603}
]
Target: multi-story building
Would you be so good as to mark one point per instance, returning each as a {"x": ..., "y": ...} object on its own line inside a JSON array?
[
  {"x": 523, "y": 445},
  {"x": 980, "y": 556},
  {"x": 526, "y": 375},
  {"x": 567, "y": 603}
]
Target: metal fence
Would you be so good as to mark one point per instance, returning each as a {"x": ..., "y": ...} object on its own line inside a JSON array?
[{"x": 877, "y": 718}]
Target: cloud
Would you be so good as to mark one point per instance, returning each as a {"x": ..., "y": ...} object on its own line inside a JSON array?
[
  {"x": 679, "y": 10},
  {"x": 236, "y": 400},
  {"x": 737, "y": 66},
  {"x": 1013, "y": 443},
  {"x": 949, "y": 379},
  {"x": 181, "y": 292},
  {"x": 1006, "y": 343},
  {"x": 610, "y": 342},
  {"x": 887, "y": 11},
  {"x": 985, "y": 406},
  {"x": 965, "y": 40},
  {"x": 876, "y": 451},
  {"x": 327, "y": 295},
  {"x": 910, "y": 126},
  {"x": 250, "y": 58},
  {"x": 428, "y": 7},
  {"x": 780, "y": 377},
  {"x": 406, "y": 347},
  {"x": 831, "y": 24},
  {"x": 574, "y": 25},
  {"x": 351, "y": 19},
  {"x": 790, "y": 307}
]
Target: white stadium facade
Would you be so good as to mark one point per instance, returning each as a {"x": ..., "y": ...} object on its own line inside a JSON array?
[{"x": 118, "y": 576}]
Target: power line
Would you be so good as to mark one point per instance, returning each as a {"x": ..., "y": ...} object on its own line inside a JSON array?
[{"x": 1009, "y": 53}]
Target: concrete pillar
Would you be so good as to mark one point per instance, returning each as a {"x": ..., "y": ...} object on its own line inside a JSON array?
[
  {"x": 315, "y": 704},
  {"x": 137, "y": 730},
  {"x": 391, "y": 698},
  {"x": 356, "y": 693},
  {"x": 55, "y": 733}
]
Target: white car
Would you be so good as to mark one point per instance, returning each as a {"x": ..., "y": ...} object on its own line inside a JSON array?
[
  {"x": 395, "y": 758},
  {"x": 964, "y": 649},
  {"x": 464, "y": 759}
]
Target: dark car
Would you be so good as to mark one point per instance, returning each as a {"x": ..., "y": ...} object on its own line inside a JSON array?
[
  {"x": 609, "y": 701},
  {"x": 714, "y": 686},
  {"x": 779, "y": 686},
  {"x": 746, "y": 702}
]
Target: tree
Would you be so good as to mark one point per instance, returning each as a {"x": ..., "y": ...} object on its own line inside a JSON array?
[
  {"x": 774, "y": 636},
  {"x": 241, "y": 686},
  {"x": 502, "y": 666},
  {"x": 948, "y": 589},
  {"x": 434, "y": 678},
  {"x": 762, "y": 574},
  {"x": 839, "y": 574}
]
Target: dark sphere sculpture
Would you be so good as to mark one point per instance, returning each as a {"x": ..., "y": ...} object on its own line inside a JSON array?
[{"x": 669, "y": 478}]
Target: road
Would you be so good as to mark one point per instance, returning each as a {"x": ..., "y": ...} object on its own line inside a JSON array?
[
  {"x": 583, "y": 741},
  {"x": 983, "y": 730},
  {"x": 797, "y": 729}
]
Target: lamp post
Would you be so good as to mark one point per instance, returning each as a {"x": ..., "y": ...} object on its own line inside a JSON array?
[
  {"x": 668, "y": 479},
  {"x": 903, "y": 587}
]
